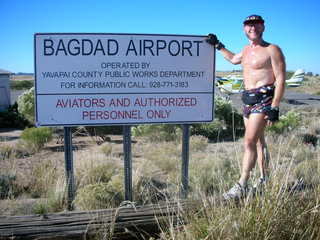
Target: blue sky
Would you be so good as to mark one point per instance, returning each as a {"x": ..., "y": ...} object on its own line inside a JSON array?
[{"x": 293, "y": 25}]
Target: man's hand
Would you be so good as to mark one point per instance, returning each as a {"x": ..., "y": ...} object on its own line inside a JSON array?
[
  {"x": 213, "y": 40},
  {"x": 273, "y": 115}
]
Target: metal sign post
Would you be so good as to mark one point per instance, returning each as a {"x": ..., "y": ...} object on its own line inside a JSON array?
[
  {"x": 185, "y": 161},
  {"x": 127, "y": 162},
  {"x": 69, "y": 166}
]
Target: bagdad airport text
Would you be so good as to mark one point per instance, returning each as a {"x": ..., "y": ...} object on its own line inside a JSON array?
[{"x": 112, "y": 47}]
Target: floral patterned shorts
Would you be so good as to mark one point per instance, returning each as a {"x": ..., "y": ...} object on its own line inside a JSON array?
[{"x": 265, "y": 94}]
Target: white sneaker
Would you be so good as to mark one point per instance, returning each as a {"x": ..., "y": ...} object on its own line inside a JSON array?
[{"x": 236, "y": 192}]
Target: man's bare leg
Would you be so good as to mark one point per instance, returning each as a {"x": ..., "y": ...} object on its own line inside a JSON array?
[
  {"x": 263, "y": 157},
  {"x": 254, "y": 126}
]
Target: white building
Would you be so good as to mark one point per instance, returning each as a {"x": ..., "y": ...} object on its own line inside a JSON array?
[{"x": 5, "y": 101}]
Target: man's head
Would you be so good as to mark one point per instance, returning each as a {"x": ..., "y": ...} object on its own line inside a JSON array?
[
  {"x": 253, "y": 19},
  {"x": 253, "y": 26}
]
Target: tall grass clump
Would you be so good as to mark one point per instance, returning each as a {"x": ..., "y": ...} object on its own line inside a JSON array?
[
  {"x": 102, "y": 194},
  {"x": 279, "y": 213},
  {"x": 35, "y": 138},
  {"x": 43, "y": 178}
]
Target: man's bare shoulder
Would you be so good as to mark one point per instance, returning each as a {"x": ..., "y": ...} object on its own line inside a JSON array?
[{"x": 273, "y": 48}]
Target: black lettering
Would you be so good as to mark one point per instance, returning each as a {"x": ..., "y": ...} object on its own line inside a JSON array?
[
  {"x": 198, "y": 42},
  {"x": 61, "y": 47},
  {"x": 146, "y": 46},
  {"x": 116, "y": 47},
  {"x": 184, "y": 47},
  {"x": 170, "y": 47},
  {"x": 89, "y": 46},
  {"x": 161, "y": 44},
  {"x": 99, "y": 47},
  {"x": 77, "y": 48},
  {"x": 131, "y": 47},
  {"x": 47, "y": 45}
]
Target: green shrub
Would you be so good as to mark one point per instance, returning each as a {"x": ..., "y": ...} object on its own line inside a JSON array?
[
  {"x": 99, "y": 174},
  {"x": 210, "y": 130},
  {"x": 227, "y": 122},
  {"x": 6, "y": 186},
  {"x": 26, "y": 105},
  {"x": 287, "y": 122},
  {"x": 35, "y": 138},
  {"x": 6, "y": 151},
  {"x": 21, "y": 85},
  {"x": 225, "y": 112},
  {"x": 11, "y": 118},
  {"x": 100, "y": 195},
  {"x": 158, "y": 132},
  {"x": 52, "y": 204}
]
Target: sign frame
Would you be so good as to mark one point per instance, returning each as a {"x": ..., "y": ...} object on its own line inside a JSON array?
[{"x": 210, "y": 92}]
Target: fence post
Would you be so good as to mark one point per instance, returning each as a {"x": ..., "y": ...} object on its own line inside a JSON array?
[
  {"x": 185, "y": 161},
  {"x": 68, "y": 156},
  {"x": 127, "y": 162}
]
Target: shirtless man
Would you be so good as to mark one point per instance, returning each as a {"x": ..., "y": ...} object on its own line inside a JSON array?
[{"x": 264, "y": 79}]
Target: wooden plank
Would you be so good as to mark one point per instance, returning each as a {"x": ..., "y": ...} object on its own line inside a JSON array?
[{"x": 123, "y": 222}]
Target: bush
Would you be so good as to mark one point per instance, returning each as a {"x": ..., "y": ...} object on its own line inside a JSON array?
[
  {"x": 6, "y": 151},
  {"x": 21, "y": 85},
  {"x": 26, "y": 105},
  {"x": 98, "y": 174},
  {"x": 158, "y": 132},
  {"x": 11, "y": 118},
  {"x": 6, "y": 186},
  {"x": 210, "y": 130},
  {"x": 286, "y": 123},
  {"x": 35, "y": 138},
  {"x": 101, "y": 195},
  {"x": 226, "y": 122}
]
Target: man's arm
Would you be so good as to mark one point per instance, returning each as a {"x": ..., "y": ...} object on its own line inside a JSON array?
[
  {"x": 279, "y": 70},
  {"x": 231, "y": 57}
]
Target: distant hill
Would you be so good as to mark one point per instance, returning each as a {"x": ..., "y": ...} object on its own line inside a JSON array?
[{"x": 22, "y": 73}]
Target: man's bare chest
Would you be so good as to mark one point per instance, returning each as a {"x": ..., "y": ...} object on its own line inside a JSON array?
[{"x": 256, "y": 58}]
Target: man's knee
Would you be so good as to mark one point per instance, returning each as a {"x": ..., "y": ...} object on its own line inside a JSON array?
[
  {"x": 261, "y": 144},
  {"x": 250, "y": 143}
]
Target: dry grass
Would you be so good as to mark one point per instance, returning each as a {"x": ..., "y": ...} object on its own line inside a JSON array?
[
  {"x": 214, "y": 167},
  {"x": 310, "y": 85}
]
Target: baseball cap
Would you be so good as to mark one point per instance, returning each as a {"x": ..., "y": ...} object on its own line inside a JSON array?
[{"x": 253, "y": 18}]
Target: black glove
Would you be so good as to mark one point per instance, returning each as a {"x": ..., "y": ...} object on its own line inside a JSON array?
[
  {"x": 273, "y": 114},
  {"x": 213, "y": 40}
]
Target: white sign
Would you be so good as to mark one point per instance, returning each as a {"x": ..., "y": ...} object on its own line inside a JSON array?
[{"x": 104, "y": 79}]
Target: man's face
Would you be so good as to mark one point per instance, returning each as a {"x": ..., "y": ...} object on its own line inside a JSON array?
[{"x": 253, "y": 30}]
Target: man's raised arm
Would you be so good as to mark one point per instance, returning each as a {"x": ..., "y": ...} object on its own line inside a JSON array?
[{"x": 228, "y": 55}]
